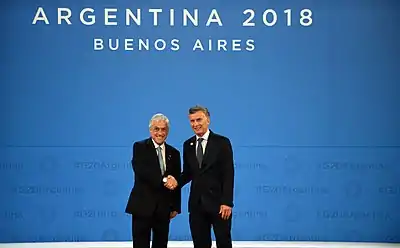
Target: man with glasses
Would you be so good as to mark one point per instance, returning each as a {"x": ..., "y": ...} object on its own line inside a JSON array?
[{"x": 154, "y": 200}]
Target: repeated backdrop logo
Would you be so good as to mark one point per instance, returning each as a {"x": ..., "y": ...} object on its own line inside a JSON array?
[
  {"x": 190, "y": 18},
  {"x": 288, "y": 207}
]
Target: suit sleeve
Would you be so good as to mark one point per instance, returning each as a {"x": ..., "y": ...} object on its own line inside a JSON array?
[
  {"x": 228, "y": 174},
  {"x": 143, "y": 171},
  {"x": 177, "y": 193},
  {"x": 186, "y": 175}
]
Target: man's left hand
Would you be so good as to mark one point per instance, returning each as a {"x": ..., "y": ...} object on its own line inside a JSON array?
[
  {"x": 225, "y": 212},
  {"x": 173, "y": 214}
]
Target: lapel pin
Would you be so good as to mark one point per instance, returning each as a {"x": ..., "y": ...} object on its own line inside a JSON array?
[{"x": 191, "y": 143}]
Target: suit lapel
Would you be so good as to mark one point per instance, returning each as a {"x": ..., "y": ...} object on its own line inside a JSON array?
[
  {"x": 153, "y": 153},
  {"x": 167, "y": 156},
  {"x": 151, "y": 147},
  {"x": 192, "y": 152}
]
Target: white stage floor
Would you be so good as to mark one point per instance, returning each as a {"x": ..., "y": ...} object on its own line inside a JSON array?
[{"x": 188, "y": 244}]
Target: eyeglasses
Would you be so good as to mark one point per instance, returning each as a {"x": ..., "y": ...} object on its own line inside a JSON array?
[{"x": 158, "y": 129}]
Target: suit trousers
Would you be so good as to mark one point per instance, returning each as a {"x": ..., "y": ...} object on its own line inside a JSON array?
[
  {"x": 142, "y": 228},
  {"x": 201, "y": 221}
]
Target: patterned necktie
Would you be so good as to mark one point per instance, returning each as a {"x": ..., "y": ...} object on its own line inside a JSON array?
[
  {"x": 199, "y": 153},
  {"x": 160, "y": 160}
]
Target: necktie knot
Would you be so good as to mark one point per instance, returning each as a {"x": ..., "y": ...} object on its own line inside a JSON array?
[{"x": 200, "y": 140}]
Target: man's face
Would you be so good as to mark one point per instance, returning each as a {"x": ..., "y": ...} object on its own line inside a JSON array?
[
  {"x": 199, "y": 123},
  {"x": 159, "y": 131}
]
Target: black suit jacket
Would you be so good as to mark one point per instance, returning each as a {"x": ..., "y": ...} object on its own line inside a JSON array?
[
  {"x": 212, "y": 184},
  {"x": 149, "y": 196}
]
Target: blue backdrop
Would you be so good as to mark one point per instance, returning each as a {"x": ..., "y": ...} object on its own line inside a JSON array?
[{"x": 312, "y": 113}]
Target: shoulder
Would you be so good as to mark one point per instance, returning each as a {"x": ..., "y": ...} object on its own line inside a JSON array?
[
  {"x": 171, "y": 148},
  {"x": 187, "y": 144},
  {"x": 189, "y": 141},
  {"x": 140, "y": 143},
  {"x": 220, "y": 138}
]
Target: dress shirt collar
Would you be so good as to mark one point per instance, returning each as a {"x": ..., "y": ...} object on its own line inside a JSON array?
[
  {"x": 205, "y": 136},
  {"x": 157, "y": 145}
]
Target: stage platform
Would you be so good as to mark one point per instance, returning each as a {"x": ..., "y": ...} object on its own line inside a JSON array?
[{"x": 188, "y": 244}]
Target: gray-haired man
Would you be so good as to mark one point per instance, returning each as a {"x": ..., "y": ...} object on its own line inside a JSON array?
[{"x": 152, "y": 203}]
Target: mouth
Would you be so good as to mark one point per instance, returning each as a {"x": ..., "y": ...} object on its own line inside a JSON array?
[{"x": 197, "y": 128}]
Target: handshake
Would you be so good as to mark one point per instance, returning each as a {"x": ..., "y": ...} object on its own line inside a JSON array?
[{"x": 170, "y": 182}]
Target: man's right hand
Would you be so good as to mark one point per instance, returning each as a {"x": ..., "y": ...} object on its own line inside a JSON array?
[{"x": 171, "y": 182}]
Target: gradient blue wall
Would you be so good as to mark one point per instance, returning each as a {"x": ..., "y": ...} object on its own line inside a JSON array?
[{"x": 312, "y": 112}]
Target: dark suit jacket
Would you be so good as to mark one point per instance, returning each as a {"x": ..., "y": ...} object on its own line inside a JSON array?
[
  {"x": 212, "y": 185},
  {"x": 149, "y": 196}
]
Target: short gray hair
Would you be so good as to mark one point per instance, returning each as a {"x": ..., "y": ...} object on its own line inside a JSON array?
[{"x": 159, "y": 117}]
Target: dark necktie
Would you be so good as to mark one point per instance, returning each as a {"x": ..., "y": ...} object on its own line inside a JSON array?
[{"x": 199, "y": 152}]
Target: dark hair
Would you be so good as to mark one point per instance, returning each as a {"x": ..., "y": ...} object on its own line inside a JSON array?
[{"x": 198, "y": 108}]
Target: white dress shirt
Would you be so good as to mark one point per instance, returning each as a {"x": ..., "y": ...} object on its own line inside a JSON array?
[{"x": 204, "y": 142}]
